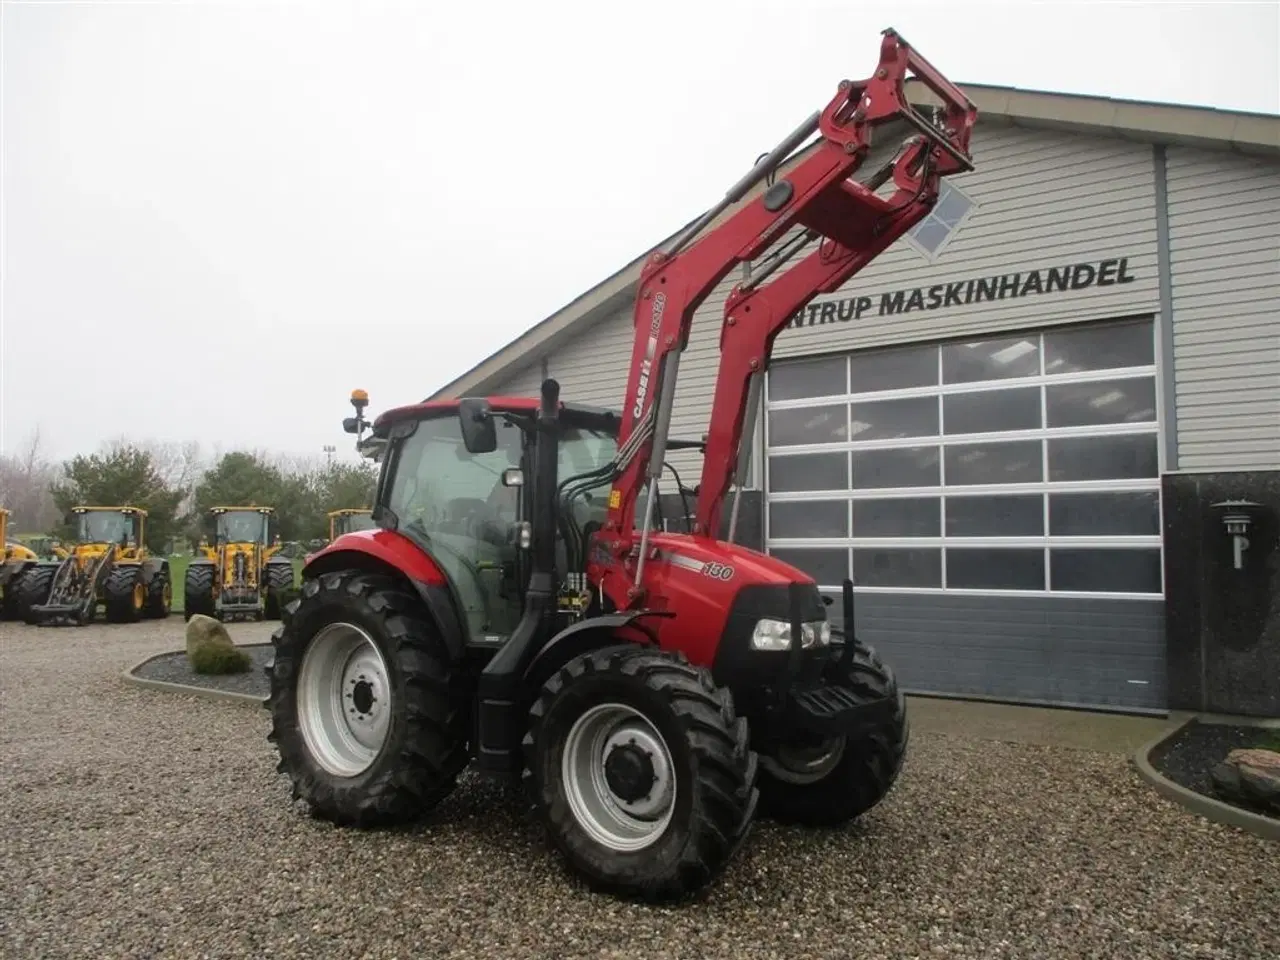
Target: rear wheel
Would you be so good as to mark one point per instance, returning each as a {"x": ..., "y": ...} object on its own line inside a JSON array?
[
  {"x": 159, "y": 595},
  {"x": 197, "y": 591},
  {"x": 817, "y": 782},
  {"x": 641, "y": 771},
  {"x": 124, "y": 594},
  {"x": 367, "y": 716},
  {"x": 279, "y": 577}
]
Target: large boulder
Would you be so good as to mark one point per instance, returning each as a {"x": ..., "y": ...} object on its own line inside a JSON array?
[
  {"x": 1250, "y": 778},
  {"x": 202, "y": 629},
  {"x": 209, "y": 647}
]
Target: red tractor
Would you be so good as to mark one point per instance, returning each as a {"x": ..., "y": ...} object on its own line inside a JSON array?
[{"x": 519, "y": 612}]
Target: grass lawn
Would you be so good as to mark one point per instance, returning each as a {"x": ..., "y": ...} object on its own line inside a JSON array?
[{"x": 178, "y": 573}]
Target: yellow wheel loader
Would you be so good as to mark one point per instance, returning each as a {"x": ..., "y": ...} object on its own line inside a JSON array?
[
  {"x": 16, "y": 561},
  {"x": 107, "y": 565},
  {"x": 242, "y": 573}
]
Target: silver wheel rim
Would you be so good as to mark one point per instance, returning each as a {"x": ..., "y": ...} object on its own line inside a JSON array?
[
  {"x": 344, "y": 699},
  {"x": 805, "y": 764},
  {"x": 607, "y": 818}
]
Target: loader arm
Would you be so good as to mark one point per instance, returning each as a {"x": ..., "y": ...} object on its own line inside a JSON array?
[{"x": 852, "y": 225}]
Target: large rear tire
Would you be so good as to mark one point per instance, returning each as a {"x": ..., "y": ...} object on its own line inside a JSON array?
[
  {"x": 124, "y": 595},
  {"x": 197, "y": 591},
  {"x": 641, "y": 772},
  {"x": 159, "y": 595},
  {"x": 827, "y": 784},
  {"x": 367, "y": 716}
]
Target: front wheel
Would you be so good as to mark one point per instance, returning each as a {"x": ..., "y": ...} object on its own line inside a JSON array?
[
  {"x": 366, "y": 713},
  {"x": 279, "y": 581},
  {"x": 125, "y": 595},
  {"x": 641, "y": 771},
  {"x": 828, "y": 782}
]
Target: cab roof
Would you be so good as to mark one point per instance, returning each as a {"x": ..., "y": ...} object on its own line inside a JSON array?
[
  {"x": 85, "y": 509},
  {"x": 576, "y": 414},
  {"x": 247, "y": 507}
]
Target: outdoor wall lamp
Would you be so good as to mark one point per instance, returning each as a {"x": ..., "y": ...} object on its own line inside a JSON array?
[{"x": 1237, "y": 515}]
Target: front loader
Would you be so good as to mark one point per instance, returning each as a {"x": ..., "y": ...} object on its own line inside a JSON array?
[
  {"x": 16, "y": 561},
  {"x": 107, "y": 565},
  {"x": 521, "y": 611},
  {"x": 242, "y": 573}
]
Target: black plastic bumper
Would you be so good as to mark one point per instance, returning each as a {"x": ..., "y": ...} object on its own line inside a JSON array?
[{"x": 832, "y": 710}]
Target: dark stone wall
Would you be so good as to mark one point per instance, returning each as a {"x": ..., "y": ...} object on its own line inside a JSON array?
[{"x": 1222, "y": 624}]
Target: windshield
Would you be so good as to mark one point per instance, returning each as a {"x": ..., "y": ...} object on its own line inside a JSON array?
[
  {"x": 242, "y": 526},
  {"x": 105, "y": 526},
  {"x": 582, "y": 451}
]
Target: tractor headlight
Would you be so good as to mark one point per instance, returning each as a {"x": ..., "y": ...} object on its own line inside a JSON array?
[{"x": 776, "y": 635}]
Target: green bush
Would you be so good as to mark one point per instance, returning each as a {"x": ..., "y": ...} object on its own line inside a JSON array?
[{"x": 219, "y": 658}]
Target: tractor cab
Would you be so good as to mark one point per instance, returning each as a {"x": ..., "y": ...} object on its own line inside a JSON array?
[{"x": 463, "y": 498}]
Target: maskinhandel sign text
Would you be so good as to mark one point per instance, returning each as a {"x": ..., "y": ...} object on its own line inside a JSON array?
[{"x": 1078, "y": 276}]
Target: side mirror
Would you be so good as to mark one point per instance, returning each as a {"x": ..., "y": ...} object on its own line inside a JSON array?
[
  {"x": 350, "y": 424},
  {"x": 479, "y": 435},
  {"x": 513, "y": 477}
]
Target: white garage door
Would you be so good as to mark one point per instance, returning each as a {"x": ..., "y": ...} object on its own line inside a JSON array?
[{"x": 996, "y": 503}]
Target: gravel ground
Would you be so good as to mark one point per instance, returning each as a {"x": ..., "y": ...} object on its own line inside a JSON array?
[
  {"x": 174, "y": 668},
  {"x": 147, "y": 824}
]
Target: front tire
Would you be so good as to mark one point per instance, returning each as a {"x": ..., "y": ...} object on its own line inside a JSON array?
[
  {"x": 124, "y": 594},
  {"x": 819, "y": 784},
  {"x": 665, "y": 813},
  {"x": 36, "y": 587},
  {"x": 279, "y": 577},
  {"x": 367, "y": 717},
  {"x": 197, "y": 591}
]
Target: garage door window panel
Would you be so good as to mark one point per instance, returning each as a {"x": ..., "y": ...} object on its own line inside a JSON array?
[
  {"x": 995, "y": 516},
  {"x": 1046, "y": 460},
  {"x": 896, "y": 468},
  {"x": 1107, "y": 570},
  {"x": 991, "y": 411},
  {"x": 808, "y": 472},
  {"x": 897, "y": 517},
  {"x": 898, "y": 567},
  {"x": 899, "y": 368},
  {"x": 806, "y": 426},
  {"x": 809, "y": 519},
  {"x": 983, "y": 464},
  {"x": 995, "y": 568},
  {"x": 828, "y": 566},
  {"x": 905, "y": 417},
  {"x": 807, "y": 379}
]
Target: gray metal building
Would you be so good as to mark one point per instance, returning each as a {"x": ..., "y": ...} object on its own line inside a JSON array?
[{"x": 983, "y": 427}]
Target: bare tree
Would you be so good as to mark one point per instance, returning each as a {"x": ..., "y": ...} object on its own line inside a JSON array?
[{"x": 25, "y": 481}]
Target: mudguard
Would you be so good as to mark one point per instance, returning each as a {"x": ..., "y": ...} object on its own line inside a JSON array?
[
  {"x": 389, "y": 552},
  {"x": 581, "y": 637}
]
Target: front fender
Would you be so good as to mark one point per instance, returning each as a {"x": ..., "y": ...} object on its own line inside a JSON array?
[
  {"x": 392, "y": 548},
  {"x": 583, "y": 637}
]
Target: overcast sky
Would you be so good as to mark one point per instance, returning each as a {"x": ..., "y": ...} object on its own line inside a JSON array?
[{"x": 302, "y": 198}]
